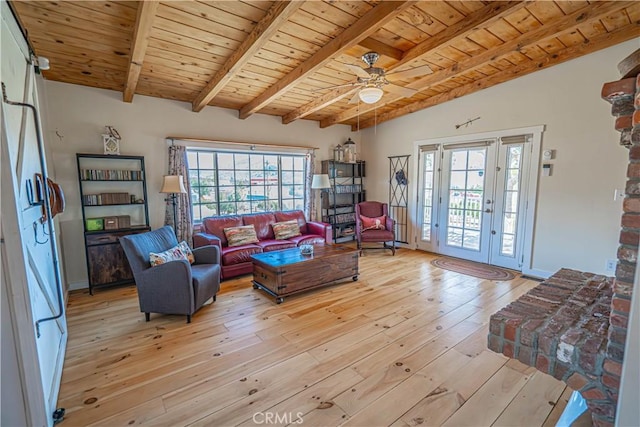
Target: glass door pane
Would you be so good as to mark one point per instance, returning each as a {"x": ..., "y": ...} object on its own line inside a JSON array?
[
  {"x": 428, "y": 200},
  {"x": 466, "y": 191},
  {"x": 509, "y": 206},
  {"x": 468, "y": 182}
]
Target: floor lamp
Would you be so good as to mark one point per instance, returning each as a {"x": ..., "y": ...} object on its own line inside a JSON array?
[
  {"x": 319, "y": 182},
  {"x": 173, "y": 185}
]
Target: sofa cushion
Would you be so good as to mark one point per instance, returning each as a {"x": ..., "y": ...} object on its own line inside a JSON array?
[
  {"x": 173, "y": 254},
  {"x": 238, "y": 254},
  {"x": 373, "y": 223},
  {"x": 376, "y": 235},
  {"x": 308, "y": 239},
  {"x": 297, "y": 215},
  {"x": 203, "y": 276},
  {"x": 286, "y": 229},
  {"x": 216, "y": 224},
  {"x": 262, "y": 222},
  {"x": 184, "y": 247},
  {"x": 240, "y": 236},
  {"x": 275, "y": 245}
]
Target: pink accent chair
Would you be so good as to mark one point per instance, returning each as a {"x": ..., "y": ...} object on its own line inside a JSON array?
[{"x": 375, "y": 210}]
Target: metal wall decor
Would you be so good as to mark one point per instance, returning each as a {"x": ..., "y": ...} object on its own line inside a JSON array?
[
  {"x": 111, "y": 141},
  {"x": 399, "y": 195}
]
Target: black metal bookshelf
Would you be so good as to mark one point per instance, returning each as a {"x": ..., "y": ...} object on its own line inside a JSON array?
[
  {"x": 338, "y": 202},
  {"x": 101, "y": 176}
]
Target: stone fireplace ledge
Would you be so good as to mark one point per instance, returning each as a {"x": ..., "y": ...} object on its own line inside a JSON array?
[{"x": 561, "y": 328}]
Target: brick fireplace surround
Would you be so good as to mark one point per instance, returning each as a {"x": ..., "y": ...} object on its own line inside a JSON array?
[{"x": 574, "y": 325}]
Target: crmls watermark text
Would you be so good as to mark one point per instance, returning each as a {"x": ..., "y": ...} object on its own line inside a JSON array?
[{"x": 277, "y": 418}]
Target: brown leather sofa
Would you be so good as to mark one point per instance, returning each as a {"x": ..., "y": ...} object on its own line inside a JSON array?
[{"x": 236, "y": 260}]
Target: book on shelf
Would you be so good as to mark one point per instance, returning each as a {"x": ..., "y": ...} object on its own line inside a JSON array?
[
  {"x": 350, "y": 188},
  {"x": 110, "y": 175},
  {"x": 106, "y": 199}
]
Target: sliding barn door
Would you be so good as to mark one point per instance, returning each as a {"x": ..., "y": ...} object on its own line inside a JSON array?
[{"x": 31, "y": 280}]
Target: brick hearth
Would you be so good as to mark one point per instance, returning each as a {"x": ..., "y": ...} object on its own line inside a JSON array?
[
  {"x": 560, "y": 327},
  {"x": 574, "y": 325}
]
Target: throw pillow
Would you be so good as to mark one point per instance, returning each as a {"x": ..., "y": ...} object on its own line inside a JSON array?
[
  {"x": 243, "y": 235},
  {"x": 172, "y": 254},
  {"x": 184, "y": 247},
  {"x": 373, "y": 223},
  {"x": 286, "y": 229}
]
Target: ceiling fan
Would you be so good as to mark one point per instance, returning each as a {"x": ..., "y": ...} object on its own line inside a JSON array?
[{"x": 373, "y": 79}]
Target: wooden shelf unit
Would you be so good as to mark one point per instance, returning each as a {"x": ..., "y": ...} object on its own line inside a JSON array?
[{"x": 106, "y": 263}]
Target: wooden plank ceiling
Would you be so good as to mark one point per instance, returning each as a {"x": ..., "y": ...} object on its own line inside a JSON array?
[{"x": 283, "y": 58}]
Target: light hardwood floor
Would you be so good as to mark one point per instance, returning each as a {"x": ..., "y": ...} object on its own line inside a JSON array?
[{"x": 403, "y": 346}]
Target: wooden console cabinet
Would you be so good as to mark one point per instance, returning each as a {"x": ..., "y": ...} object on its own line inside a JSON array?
[{"x": 106, "y": 261}]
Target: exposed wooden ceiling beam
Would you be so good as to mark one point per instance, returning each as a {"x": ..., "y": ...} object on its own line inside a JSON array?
[
  {"x": 602, "y": 41},
  {"x": 485, "y": 16},
  {"x": 144, "y": 22},
  {"x": 318, "y": 104},
  {"x": 480, "y": 18},
  {"x": 358, "y": 31},
  {"x": 564, "y": 25},
  {"x": 382, "y": 48},
  {"x": 263, "y": 31}
]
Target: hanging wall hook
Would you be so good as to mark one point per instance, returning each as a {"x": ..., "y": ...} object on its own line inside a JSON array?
[
  {"x": 30, "y": 199},
  {"x": 35, "y": 234}
]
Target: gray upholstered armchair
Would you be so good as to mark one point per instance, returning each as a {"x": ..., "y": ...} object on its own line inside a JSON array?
[{"x": 175, "y": 287}]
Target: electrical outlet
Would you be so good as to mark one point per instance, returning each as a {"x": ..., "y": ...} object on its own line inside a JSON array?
[{"x": 611, "y": 264}]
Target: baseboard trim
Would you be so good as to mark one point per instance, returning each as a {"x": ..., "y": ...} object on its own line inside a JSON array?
[
  {"x": 74, "y": 286},
  {"x": 536, "y": 273}
]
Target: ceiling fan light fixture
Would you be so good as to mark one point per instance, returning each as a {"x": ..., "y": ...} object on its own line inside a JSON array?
[{"x": 370, "y": 95}]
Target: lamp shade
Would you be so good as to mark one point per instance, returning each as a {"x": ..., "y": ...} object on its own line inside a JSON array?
[
  {"x": 320, "y": 181},
  {"x": 173, "y": 184},
  {"x": 370, "y": 95}
]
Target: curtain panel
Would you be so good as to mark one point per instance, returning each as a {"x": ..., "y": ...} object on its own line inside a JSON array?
[
  {"x": 309, "y": 199},
  {"x": 183, "y": 222}
]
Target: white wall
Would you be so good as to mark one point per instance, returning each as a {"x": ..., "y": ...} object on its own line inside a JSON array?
[
  {"x": 77, "y": 116},
  {"x": 578, "y": 221}
]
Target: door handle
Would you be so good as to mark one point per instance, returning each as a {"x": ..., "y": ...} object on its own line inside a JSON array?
[{"x": 488, "y": 210}]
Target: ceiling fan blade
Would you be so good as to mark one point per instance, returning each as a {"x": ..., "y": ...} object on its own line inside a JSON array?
[
  {"x": 335, "y": 87},
  {"x": 355, "y": 98},
  {"x": 358, "y": 71},
  {"x": 399, "y": 90},
  {"x": 412, "y": 72}
]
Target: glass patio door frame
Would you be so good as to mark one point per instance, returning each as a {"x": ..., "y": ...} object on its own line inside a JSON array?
[
  {"x": 529, "y": 175},
  {"x": 500, "y": 255}
]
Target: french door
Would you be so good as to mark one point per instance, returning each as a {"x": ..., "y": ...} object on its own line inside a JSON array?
[{"x": 471, "y": 202}]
